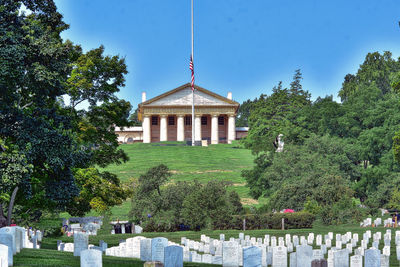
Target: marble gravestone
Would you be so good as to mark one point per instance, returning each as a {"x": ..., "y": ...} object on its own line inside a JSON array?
[
  {"x": 279, "y": 257},
  {"x": 384, "y": 260},
  {"x": 173, "y": 256},
  {"x": 138, "y": 229},
  {"x": 4, "y": 255},
  {"x": 133, "y": 247},
  {"x": 304, "y": 255},
  {"x": 252, "y": 257},
  {"x": 207, "y": 258},
  {"x": 216, "y": 260},
  {"x": 81, "y": 242},
  {"x": 372, "y": 258},
  {"x": 230, "y": 254},
  {"x": 145, "y": 249},
  {"x": 91, "y": 258},
  {"x": 157, "y": 248},
  {"x": 398, "y": 252},
  {"x": 11, "y": 231},
  {"x": 292, "y": 259},
  {"x": 356, "y": 261},
  {"x": 341, "y": 258},
  {"x": 7, "y": 240},
  {"x": 317, "y": 254},
  {"x": 19, "y": 241}
]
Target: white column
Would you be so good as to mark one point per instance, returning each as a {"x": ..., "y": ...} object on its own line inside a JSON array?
[
  {"x": 231, "y": 129},
  {"x": 146, "y": 129},
  {"x": 163, "y": 128},
  {"x": 214, "y": 129},
  {"x": 197, "y": 128},
  {"x": 180, "y": 134}
]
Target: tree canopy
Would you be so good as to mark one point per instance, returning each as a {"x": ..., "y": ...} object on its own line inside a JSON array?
[
  {"x": 43, "y": 139},
  {"x": 163, "y": 206},
  {"x": 348, "y": 145}
]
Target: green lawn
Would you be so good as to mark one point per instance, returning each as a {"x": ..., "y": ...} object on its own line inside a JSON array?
[
  {"x": 47, "y": 257},
  {"x": 223, "y": 162}
]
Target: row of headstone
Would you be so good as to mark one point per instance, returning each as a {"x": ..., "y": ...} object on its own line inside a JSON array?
[
  {"x": 83, "y": 220},
  {"x": 13, "y": 239},
  {"x": 231, "y": 253},
  {"x": 146, "y": 249},
  {"x": 89, "y": 228},
  {"x": 377, "y": 222},
  {"x": 89, "y": 225},
  {"x": 346, "y": 244}
]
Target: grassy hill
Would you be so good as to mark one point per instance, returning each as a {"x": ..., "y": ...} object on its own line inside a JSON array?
[{"x": 222, "y": 162}]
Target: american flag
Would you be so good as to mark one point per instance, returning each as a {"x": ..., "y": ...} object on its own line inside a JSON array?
[{"x": 192, "y": 69}]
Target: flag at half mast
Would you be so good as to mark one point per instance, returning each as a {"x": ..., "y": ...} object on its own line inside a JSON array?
[{"x": 192, "y": 69}]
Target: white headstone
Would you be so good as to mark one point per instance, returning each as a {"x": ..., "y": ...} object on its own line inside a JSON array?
[
  {"x": 279, "y": 256},
  {"x": 7, "y": 240},
  {"x": 81, "y": 242},
  {"x": 341, "y": 258},
  {"x": 230, "y": 255},
  {"x": 145, "y": 249},
  {"x": 4, "y": 255},
  {"x": 10, "y": 231},
  {"x": 356, "y": 261},
  {"x": 372, "y": 258},
  {"x": 384, "y": 261},
  {"x": 91, "y": 258}
]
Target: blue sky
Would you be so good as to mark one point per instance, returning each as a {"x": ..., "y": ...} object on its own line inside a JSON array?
[{"x": 245, "y": 47}]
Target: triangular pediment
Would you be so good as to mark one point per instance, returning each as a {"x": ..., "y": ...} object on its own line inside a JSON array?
[{"x": 182, "y": 96}]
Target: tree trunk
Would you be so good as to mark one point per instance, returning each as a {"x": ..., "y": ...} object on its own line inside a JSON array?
[
  {"x": 3, "y": 220},
  {"x": 11, "y": 205}
]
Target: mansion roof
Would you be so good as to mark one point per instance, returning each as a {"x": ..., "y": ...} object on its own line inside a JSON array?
[{"x": 181, "y": 97}]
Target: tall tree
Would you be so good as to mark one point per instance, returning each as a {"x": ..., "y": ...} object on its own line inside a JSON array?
[
  {"x": 275, "y": 114},
  {"x": 37, "y": 69},
  {"x": 243, "y": 113},
  {"x": 134, "y": 118},
  {"x": 377, "y": 69}
]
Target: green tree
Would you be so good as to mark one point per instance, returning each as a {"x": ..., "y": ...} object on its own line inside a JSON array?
[
  {"x": 153, "y": 179},
  {"x": 134, "y": 118},
  {"x": 98, "y": 192},
  {"x": 377, "y": 70},
  {"x": 275, "y": 115},
  {"x": 162, "y": 206},
  {"x": 37, "y": 69},
  {"x": 243, "y": 113},
  {"x": 320, "y": 170}
]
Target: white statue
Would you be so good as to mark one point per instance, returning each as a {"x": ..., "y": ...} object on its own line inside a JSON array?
[{"x": 280, "y": 143}]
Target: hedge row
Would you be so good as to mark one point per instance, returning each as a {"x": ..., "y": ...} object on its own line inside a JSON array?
[
  {"x": 296, "y": 220},
  {"x": 269, "y": 221}
]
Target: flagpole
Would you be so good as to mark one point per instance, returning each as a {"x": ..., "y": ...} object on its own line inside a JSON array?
[{"x": 193, "y": 122}]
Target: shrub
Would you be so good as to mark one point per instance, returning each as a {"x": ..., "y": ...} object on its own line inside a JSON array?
[
  {"x": 394, "y": 202},
  {"x": 343, "y": 211},
  {"x": 52, "y": 231},
  {"x": 182, "y": 205},
  {"x": 312, "y": 206},
  {"x": 274, "y": 221},
  {"x": 270, "y": 221}
]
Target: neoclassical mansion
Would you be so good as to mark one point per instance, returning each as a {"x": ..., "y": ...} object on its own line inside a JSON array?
[{"x": 168, "y": 117}]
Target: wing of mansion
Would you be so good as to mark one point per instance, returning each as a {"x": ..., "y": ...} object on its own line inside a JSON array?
[{"x": 168, "y": 117}]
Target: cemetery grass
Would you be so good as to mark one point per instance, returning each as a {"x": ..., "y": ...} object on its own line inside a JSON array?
[
  {"x": 48, "y": 257},
  {"x": 187, "y": 163},
  {"x": 49, "y": 244}
]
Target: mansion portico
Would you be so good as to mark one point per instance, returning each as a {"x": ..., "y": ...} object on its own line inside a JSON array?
[{"x": 168, "y": 117}]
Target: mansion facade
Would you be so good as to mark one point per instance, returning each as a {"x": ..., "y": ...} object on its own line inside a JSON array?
[{"x": 168, "y": 117}]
